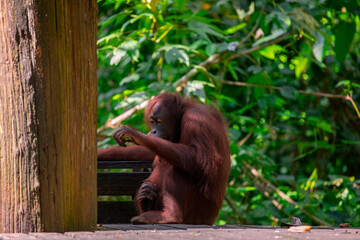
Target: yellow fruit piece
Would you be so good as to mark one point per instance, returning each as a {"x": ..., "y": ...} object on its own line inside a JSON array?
[{"x": 299, "y": 229}]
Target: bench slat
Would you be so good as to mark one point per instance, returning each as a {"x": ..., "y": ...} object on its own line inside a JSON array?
[
  {"x": 115, "y": 212},
  {"x": 123, "y": 164},
  {"x": 120, "y": 184}
]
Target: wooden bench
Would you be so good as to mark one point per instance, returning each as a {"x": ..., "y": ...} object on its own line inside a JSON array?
[{"x": 110, "y": 183}]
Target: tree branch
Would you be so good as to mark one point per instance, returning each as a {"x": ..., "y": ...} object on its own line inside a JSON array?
[
  {"x": 319, "y": 94},
  {"x": 245, "y": 138},
  {"x": 252, "y": 30},
  {"x": 349, "y": 98},
  {"x": 254, "y": 49},
  {"x": 213, "y": 59},
  {"x": 232, "y": 205},
  {"x": 115, "y": 122},
  {"x": 268, "y": 185}
]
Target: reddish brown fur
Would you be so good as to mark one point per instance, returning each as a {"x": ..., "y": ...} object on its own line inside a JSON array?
[{"x": 190, "y": 174}]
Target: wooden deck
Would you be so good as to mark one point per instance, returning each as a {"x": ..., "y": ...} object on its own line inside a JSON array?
[{"x": 181, "y": 232}]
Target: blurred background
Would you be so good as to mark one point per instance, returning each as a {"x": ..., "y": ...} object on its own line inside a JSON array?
[{"x": 285, "y": 75}]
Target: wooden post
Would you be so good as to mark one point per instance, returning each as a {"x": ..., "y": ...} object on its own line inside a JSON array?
[{"x": 48, "y": 99}]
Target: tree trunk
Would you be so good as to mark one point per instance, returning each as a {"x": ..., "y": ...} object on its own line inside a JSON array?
[{"x": 48, "y": 97}]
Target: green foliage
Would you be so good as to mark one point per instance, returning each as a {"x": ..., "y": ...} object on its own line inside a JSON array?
[{"x": 307, "y": 146}]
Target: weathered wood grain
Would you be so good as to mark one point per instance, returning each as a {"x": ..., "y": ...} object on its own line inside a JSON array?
[{"x": 48, "y": 99}]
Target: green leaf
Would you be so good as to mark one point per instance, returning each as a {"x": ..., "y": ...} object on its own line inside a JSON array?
[
  {"x": 118, "y": 54},
  {"x": 322, "y": 124},
  {"x": 270, "y": 51},
  {"x": 203, "y": 29},
  {"x": 247, "y": 189},
  {"x": 132, "y": 100},
  {"x": 278, "y": 15},
  {"x": 109, "y": 37},
  {"x": 350, "y": 142},
  {"x": 181, "y": 4},
  {"x": 303, "y": 20},
  {"x": 343, "y": 39},
  {"x": 288, "y": 92},
  {"x": 118, "y": 4},
  {"x": 178, "y": 46},
  {"x": 242, "y": 14},
  {"x": 301, "y": 64},
  {"x": 196, "y": 89},
  {"x": 244, "y": 109},
  {"x": 130, "y": 47},
  {"x": 355, "y": 85},
  {"x": 211, "y": 49},
  {"x": 234, "y": 29},
  {"x": 184, "y": 58},
  {"x": 133, "y": 20},
  {"x": 277, "y": 33},
  {"x": 260, "y": 79},
  {"x": 131, "y": 78},
  {"x": 318, "y": 47},
  {"x": 114, "y": 18},
  {"x": 174, "y": 55},
  {"x": 234, "y": 133},
  {"x": 343, "y": 83},
  {"x": 232, "y": 72}
]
